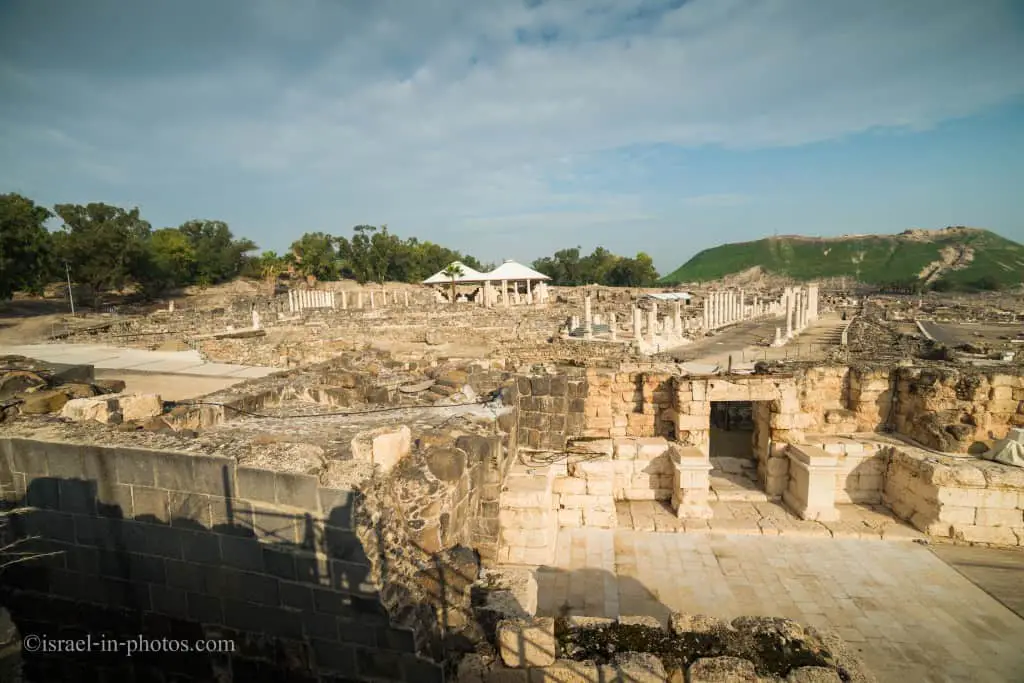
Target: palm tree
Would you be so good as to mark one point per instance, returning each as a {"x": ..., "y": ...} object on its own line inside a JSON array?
[{"x": 454, "y": 270}]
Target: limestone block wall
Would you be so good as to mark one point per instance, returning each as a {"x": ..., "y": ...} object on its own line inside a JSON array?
[
  {"x": 597, "y": 473},
  {"x": 951, "y": 409},
  {"x": 194, "y": 547},
  {"x": 628, "y": 402},
  {"x": 551, "y": 410},
  {"x": 860, "y": 468},
  {"x": 967, "y": 499}
]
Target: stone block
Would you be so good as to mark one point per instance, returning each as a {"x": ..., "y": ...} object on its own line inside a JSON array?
[
  {"x": 994, "y": 535},
  {"x": 524, "y": 643},
  {"x": 600, "y": 518},
  {"x": 995, "y": 517},
  {"x": 570, "y": 518},
  {"x": 951, "y": 514},
  {"x": 570, "y": 485},
  {"x": 568, "y": 671},
  {"x": 722, "y": 670}
]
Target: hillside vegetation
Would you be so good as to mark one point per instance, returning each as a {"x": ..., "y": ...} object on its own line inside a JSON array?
[{"x": 955, "y": 258}]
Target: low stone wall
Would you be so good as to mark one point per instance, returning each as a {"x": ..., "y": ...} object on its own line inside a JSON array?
[
  {"x": 164, "y": 544},
  {"x": 962, "y": 498},
  {"x": 694, "y": 648}
]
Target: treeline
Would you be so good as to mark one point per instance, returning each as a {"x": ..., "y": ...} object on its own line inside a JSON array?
[
  {"x": 372, "y": 254},
  {"x": 567, "y": 268},
  {"x": 105, "y": 248}
]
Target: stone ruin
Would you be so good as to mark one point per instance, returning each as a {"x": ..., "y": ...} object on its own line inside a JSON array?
[{"x": 357, "y": 516}]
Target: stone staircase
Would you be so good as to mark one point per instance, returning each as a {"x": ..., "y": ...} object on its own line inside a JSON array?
[{"x": 735, "y": 480}]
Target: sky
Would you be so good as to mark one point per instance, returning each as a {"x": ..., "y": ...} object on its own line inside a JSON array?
[{"x": 512, "y": 128}]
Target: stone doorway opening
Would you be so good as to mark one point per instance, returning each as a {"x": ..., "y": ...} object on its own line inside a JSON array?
[{"x": 734, "y": 432}]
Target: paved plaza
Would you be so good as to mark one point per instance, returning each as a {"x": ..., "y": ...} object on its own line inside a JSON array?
[{"x": 912, "y": 617}]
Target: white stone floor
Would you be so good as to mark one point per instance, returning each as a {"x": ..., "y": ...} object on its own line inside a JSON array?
[
  {"x": 912, "y": 617},
  {"x": 136, "y": 360}
]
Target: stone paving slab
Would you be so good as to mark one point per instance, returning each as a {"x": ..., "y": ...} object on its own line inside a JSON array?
[
  {"x": 767, "y": 518},
  {"x": 997, "y": 571},
  {"x": 911, "y": 617}
]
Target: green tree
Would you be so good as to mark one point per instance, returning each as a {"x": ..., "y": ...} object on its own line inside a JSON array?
[
  {"x": 452, "y": 272},
  {"x": 218, "y": 255},
  {"x": 315, "y": 255},
  {"x": 595, "y": 268},
  {"x": 26, "y": 247},
  {"x": 171, "y": 259},
  {"x": 632, "y": 272},
  {"x": 104, "y": 246}
]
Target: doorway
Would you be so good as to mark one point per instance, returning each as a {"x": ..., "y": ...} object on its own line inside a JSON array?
[{"x": 731, "y": 447}]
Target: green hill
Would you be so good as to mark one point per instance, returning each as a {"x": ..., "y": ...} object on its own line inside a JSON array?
[{"x": 953, "y": 258}]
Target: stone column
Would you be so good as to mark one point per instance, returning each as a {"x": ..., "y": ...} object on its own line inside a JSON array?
[
  {"x": 291, "y": 301},
  {"x": 588, "y": 319},
  {"x": 691, "y": 483},
  {"x": 743, "y": 305},
  {"x": 343, "y": 297},
  {"x": 677, "y": 318},
  {"x": 789, "y": 312},
  {"x": 800, "y": 310},
  {"x": 637, "y": 320},
  {"x": 814, "y": 302},
  {"x": 406, "y": 298},
  {"x": 504, "y": 293},
  {"x": 359, "y": 299},
  {"x": 613, "y": 325},
  {"x": 706, "y": 314},
  {"x": 652, "y": 323}
]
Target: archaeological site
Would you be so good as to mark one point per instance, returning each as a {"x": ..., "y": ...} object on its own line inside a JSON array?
[{"x": 520, "y": 483}]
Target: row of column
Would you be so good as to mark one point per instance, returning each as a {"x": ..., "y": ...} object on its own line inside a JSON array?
[
  {"x": 303, "y": 299},
  {"x": 801, "y": 309},
  {"x": 726, "y": 307},
  {"x": 535, "y": 294},
  {"x": 673, "y": 325}
]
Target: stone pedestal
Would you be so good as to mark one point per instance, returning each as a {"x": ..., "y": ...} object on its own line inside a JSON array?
[
  {"x": 691, "y": 483},
  {"x": 613, "y": 325},
  {"x": 811, "y": 492},
  {"x": 637, "y": 322}
]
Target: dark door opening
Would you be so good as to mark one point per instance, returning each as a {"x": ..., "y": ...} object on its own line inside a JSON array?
[{"x": 731, "y": 448}]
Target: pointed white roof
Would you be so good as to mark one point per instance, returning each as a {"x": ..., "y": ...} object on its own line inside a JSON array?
[
  {"x": 511, "y": 270},
  {"x": 468, "y": 275}
]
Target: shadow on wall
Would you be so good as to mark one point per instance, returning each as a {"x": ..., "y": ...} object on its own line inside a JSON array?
[{"x": 279, "y": 596}]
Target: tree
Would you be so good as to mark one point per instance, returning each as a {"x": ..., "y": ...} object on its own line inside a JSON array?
[
  {"x": 632, "y": 272},
  {"x": 26, "y": 247},
  {"x": 171, "y": 260},
  {"x": 453, "y": 271},
  {"x": 315, "y": 255},
  {"x": 104, "y": 246},
  {"x": 218, "y": 255}
]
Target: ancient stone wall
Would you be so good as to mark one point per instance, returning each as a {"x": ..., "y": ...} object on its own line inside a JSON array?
[
  {"x": 951, "y": 410},
  {"x": 971, "y": 500},
  {"x": 628, "y": 402},
  {"x": 552, "y": 409},
  {"x": 193, "y": 547}
]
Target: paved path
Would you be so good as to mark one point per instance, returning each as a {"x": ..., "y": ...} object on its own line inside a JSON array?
[
  {"x": 136, "y": 360},
  {"x": 741, "y": 341},
  {"x": 998, "y": 571},
  {"x": 911, "y": 616}
]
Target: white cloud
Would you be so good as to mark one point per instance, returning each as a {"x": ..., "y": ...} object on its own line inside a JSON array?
[{"x": 396, "y": 118}]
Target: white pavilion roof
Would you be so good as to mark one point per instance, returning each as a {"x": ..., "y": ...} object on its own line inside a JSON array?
[
  {"x": 511, "y": 270},
  {"x": 468, "y": 275}
]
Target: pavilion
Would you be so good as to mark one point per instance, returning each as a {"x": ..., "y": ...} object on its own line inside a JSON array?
[{"x": 508, "y": 273}]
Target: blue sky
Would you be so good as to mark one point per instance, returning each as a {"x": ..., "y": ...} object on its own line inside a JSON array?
[{"x": 509, "y": 129}]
